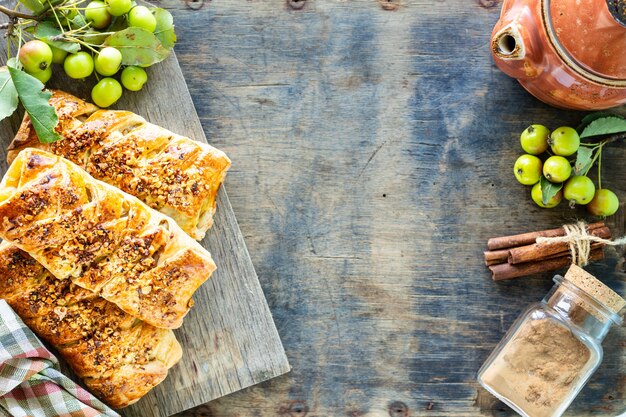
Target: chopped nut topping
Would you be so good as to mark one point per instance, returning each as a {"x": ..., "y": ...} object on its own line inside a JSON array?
[{"x": 61, "y": 312}]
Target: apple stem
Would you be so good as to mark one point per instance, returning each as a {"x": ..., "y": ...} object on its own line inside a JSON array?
[
  {"x": 600, "y": 168},
  {"x": 15, "y": 14}
]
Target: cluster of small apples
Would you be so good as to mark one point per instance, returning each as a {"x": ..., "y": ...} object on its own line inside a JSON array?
[
  {"x": 559, "y": 145},
  {"x": 37, "y": 56}
]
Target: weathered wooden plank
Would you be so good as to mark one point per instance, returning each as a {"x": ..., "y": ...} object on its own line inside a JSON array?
[
  {"x": 229, "y": 339},
  {"x": 374, "y": 153}
]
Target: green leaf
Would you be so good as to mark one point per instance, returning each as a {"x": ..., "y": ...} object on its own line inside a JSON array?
[
  {"x": 93, "y": 37},
  {"x": 78, "y": 21},
  {"x": 583, "y": 160},
  {"x": 52, "y": 35},
  {"x": 8, "y": 95},
  {"x": 604, "y": 126},
  {"x": 35, "y": 6},
  {"x": 138, "y": 47},
  {"x": 548, "y": 190},
  {"x": 42, "y": 115},
  {"x": 118, "y": 23},
  {"x": 165, "y": 27},
  {"x": 15, "y": 63},
  {"x": 594, "y": 116}
]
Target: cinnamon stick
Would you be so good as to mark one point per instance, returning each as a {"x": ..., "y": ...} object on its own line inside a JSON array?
[
  {"x": 502, "y": 256},
  {"x": 594, "y": 245},
  {"x": 496, "y": 257},
  {"x": 505, "y": 242},
  {"x": 507, "y": 271},
  {"x": 537, "y": 251}
]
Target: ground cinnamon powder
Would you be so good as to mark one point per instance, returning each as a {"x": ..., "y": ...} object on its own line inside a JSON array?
[{"x": 539, "y": 367}]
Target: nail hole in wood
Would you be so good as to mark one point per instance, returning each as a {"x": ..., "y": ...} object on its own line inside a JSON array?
[
  {"x": 294, "y": 409},
  {"x": 296, "y": 4},
  {"x": 384, "y": 195},
  {"x": 194, "y": 4},
  {"x": 388, "y": 4},
  {"x": 398, "y": 409},
  {"x": 488, "y": 4}
]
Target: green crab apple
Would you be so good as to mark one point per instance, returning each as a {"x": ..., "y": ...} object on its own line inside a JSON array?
[
  {"x": 96, "y": 12},
  {"x": 35, "y": 56},
  {"x": 78, "y": 65},
  {"x": 579, "y": 190},
  {"x": 106, "y": 92},
  {"x": 534, "y": 139},
  {"x": 142, "y": 17},
  {"x": 564, "y": 141},
  {"x": 604, "y": 203},
  {"x": 44, "y": 75},
  {"x": 557, "y": 169},
  {"x": 133, "y": 78},
  {"x": 58, "y": 55},
  {"x": 527, "y": 169},
  {"x": 108, "y": 61},
  {"x": 537, "y": 197},
  {"x": 119, "y": 7}
]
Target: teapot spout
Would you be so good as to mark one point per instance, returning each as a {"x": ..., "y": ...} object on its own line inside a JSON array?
[
  {"x": 514, "y": 49},
  {"x": 508, "y": 44}
]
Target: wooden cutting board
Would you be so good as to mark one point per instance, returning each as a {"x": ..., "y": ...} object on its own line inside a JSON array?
[{"x": 229, "y": 338}]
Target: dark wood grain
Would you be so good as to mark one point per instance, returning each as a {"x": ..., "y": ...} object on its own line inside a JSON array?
[
  {"x": 373, "y": 145},
  {"x": 374, "y": 152},
  {"x": 229, "y": 339}
]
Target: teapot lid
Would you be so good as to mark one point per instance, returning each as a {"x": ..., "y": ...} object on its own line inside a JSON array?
[{"x": 592, "y": 35}]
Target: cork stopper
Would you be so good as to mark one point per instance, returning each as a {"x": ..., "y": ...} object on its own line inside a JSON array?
[{"x": 592, "y": 286}]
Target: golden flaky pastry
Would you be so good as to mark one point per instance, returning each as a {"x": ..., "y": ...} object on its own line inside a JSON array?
[
  {"x": 101, "y": 238},
  {"x": 118, "y": 357},
  {"x": 171, "y": 173}
]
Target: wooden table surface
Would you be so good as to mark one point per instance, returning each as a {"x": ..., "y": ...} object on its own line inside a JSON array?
[{"x": 372, "y": 146}]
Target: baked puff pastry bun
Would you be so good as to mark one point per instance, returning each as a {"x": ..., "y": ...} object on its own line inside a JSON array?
[
  {"x": 171, "y": 173},
  {"x": 118, "y": 357},
  {"x": 101, "y": 238}
]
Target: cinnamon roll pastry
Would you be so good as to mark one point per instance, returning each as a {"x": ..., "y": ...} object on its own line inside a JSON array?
[
  {"x": 101, "y": 238},
  {"x": 171, "y": 173},
  {"x": 118, "y": 357}
]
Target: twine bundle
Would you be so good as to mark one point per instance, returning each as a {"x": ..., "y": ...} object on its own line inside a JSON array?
[{"x": 579, "y": 241}]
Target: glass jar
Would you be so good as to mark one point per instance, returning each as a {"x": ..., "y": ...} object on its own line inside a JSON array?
[{"x": 551, "y": 350}]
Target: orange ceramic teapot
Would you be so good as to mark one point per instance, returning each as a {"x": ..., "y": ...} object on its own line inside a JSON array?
[{"x": 567, "y": 53}]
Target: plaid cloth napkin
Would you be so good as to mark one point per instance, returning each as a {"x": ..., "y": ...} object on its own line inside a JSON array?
[{"x": 30, "y": 382}]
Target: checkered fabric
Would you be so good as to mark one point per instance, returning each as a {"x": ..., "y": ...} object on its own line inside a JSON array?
[{"x": 30, "y": 382}]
